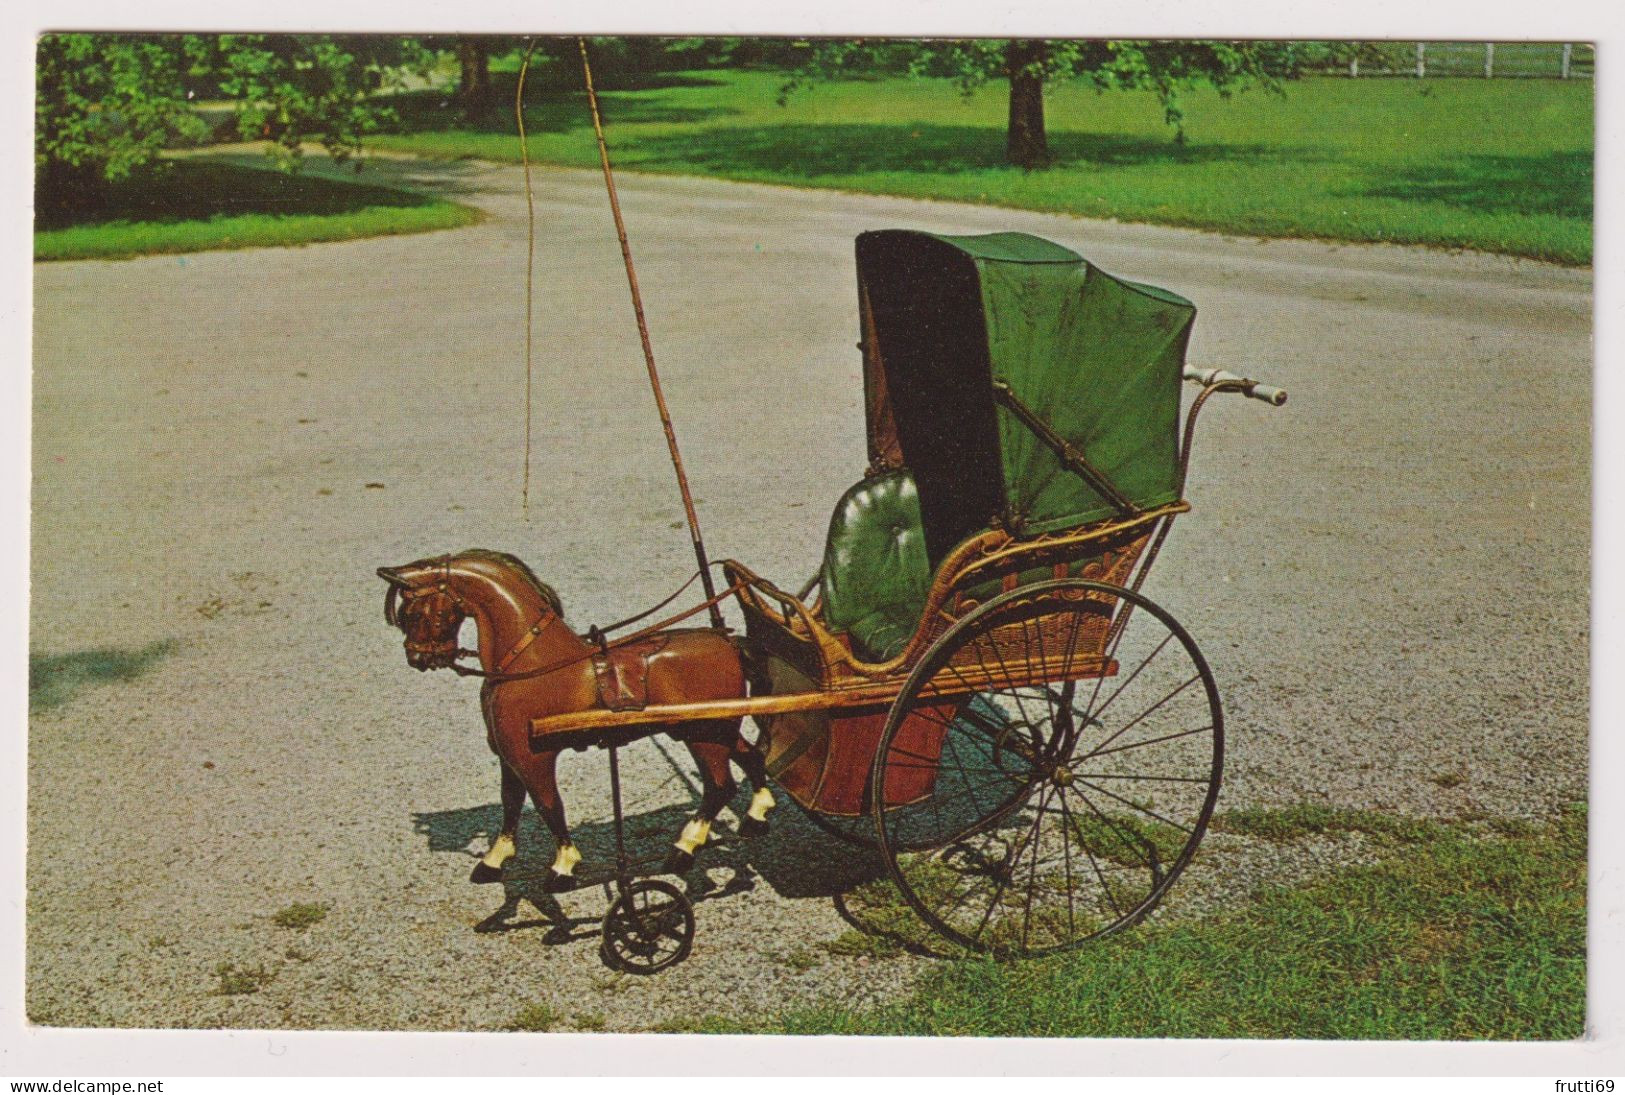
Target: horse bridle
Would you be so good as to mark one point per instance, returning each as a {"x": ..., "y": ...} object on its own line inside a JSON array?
[{"x": 446, "y": 651}]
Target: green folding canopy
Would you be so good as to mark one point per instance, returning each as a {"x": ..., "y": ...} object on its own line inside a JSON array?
[{"x": 1018, "y": 382}]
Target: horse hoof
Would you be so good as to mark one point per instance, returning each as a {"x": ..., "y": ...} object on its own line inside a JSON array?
[
  {"x": 749, "y": 827},
  {"x": 484, "y": 872},
  {"x": 679, "y": 861},
  {"x": 558, "y": 883}
]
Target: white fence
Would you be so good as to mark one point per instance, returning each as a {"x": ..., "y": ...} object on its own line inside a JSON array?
[{"x": 1547, "y": 60}]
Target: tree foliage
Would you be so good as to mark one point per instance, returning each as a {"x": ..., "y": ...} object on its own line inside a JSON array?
[
  {"x": 107, "y": 105},
  {"x": 474, "y": 95},
  {"x": 1168, "y": 68},
  {"x": 290, "y": 89}
]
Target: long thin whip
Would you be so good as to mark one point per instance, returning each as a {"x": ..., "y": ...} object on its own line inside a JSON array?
[
  {"x": 530, "y": 264},
  {"x": 643, "y": 335}
]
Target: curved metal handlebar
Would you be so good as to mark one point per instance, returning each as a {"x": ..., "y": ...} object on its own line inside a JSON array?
[{"x": 1231, "y": 382}]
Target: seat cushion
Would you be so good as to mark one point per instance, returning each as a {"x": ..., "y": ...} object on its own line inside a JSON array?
[{"x": 876, "y": 574}]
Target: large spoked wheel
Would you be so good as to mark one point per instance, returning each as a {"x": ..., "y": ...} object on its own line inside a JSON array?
[
  {"x": 1038, "y": 795},
  {"x": 649, "y": 928}
]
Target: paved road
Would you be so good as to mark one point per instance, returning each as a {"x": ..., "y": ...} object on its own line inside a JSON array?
[{"x": 1390, "y": 574}]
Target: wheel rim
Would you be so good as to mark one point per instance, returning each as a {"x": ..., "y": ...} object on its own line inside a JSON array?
[
  {"x": 1065, "y": 803},
  {"x": 650, "y": 927},
  {"x": 856, "y": 831}
]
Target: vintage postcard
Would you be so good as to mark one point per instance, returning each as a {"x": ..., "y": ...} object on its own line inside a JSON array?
[{"x": 1045, "y": 537}]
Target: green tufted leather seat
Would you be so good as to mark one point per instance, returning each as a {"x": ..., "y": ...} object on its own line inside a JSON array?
[{"x": 876, "y": 573}]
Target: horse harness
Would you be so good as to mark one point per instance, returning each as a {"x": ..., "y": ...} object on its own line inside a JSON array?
[
  {"x": 622, "y": 672},
  {"x": 620, "y": 669}
]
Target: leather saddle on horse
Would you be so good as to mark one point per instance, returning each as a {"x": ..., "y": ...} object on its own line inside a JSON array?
[{"x": 622, "y": 673}]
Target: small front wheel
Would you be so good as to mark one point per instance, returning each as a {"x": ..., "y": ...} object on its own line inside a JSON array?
[
  {"x": 1048, "y": 768},
  {"x": 649, "y": 928}
]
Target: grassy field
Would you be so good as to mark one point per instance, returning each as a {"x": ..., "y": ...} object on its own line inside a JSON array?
[
  {"x": 1492, "y": 165},
  {"x": 204, "y": 206},
  {"x": 1456, "y": 935}
]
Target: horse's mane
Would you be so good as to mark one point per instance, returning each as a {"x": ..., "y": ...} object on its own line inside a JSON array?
[{"x": 520, "y": 567}]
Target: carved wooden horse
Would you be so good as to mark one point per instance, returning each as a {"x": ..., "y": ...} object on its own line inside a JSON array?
[{"x": 535, "y": 665}]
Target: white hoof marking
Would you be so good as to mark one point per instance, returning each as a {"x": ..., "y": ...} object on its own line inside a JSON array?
[
  {"x": 760, "y": 803},
  {"x": 565, "y": 862},
  {"x": 695, "y": 834},
  {"x": 502, "y": 850}
]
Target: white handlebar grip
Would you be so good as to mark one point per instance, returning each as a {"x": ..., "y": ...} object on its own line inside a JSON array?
[
  {"x": 1264, "y": 392},
  {"x": 1273, "y": 396}
]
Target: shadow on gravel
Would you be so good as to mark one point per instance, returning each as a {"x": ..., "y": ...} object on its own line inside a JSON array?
[
  {"x": 795, "y": 859},
  {"x": 54, "y": 679}
]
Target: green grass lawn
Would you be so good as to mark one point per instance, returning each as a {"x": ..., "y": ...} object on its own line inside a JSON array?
[
  {"x": 1459, "y": 934},
  {"x": 211, "y": 205},
  {"x": 1495, "y": 165}
]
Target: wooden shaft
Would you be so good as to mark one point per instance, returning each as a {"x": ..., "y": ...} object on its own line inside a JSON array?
[
  {"x": 643, "y": 336},
  {"x": 965, "y": 681},
  {"x": 602, "y": 718}
]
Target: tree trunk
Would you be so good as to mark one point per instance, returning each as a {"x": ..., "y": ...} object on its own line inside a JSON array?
[
  {"x": 474, "y": 87},
  {"x": 1025, "y": 143}
]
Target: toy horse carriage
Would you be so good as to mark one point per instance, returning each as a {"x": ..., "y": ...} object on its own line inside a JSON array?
[{"x": 973, "y": 685}]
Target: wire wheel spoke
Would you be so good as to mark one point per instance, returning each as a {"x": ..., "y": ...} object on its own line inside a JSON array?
[
  {"x": 1043, "y": 813},
  {"x": 649, "y": 927}
]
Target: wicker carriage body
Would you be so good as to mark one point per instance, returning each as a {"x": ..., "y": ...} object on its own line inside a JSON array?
[{"x": 823, "y": 755}]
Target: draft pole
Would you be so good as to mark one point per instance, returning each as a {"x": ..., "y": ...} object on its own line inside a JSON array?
[{"x": 648, "y": 350}]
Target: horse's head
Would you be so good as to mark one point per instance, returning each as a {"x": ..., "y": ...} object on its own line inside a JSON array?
[
  {"x": 423, "y": 604},
  {"x": 430, "y": 599}
]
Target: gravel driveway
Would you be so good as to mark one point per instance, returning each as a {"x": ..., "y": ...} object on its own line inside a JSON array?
[{"x": 1389, "y": 575}]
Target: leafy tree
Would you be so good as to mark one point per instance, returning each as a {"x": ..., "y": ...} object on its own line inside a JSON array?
[
  {"x": 1031, "y": 64},
  {"x": 475, "y": 95},
  {"x": 622, "y": 62},
  {"x": 294, "y": 88},
  {"x": 107, "y": 105}
]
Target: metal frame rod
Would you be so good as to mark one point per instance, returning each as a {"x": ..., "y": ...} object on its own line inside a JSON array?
[
  {"x": 643, "y": 335},
  {"x": 622, "y": 868},
  {"x": 1070, "y": 458}
]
